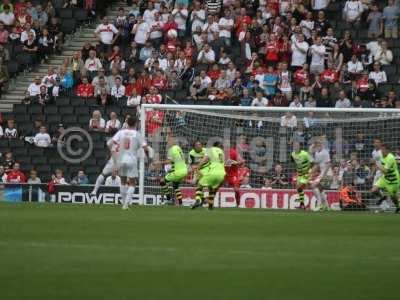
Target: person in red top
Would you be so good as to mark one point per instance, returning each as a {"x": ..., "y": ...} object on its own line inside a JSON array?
[
  {"x": 272, "y": 50},
  {"x": 170, "y": 24},
  {"x": 189, "y": 50},
  {"x": 301, "y": 75},
  {"x": 159, "y": 81},
  {"x": 329, "y": 75},
  {"x": 154, "y": 119},
  {"x": 362, "y": 83},
  {"x": 15, "y": 175},
  {"x": 243, "y": 18},
  {"x": 143, "y": 83},
  {"x": 233, "y": 163},
  {"x": 214, "y": 72},
  {"x": 154, "y": 97},
  {"x": 85, "y": 89}
]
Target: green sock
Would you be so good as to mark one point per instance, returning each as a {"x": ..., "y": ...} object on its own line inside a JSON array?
[
  {"x": 199, "y": 195},
  {"x": 301, "y": 197}
]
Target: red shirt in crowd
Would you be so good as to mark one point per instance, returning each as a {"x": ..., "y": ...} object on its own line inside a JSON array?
[
  {"x": 85, "y": 90},
  {"x": 329, "y": 76},
  {"x": 300, "y": 76},
  {"x": 154, "y": 120},
  {"x": 214, "y": 74},
  {"x": 16, "y": 176},
  {"x": 142, "y": 85},
  {"x": 362, "y": 83},
  {"x": 240, "y": 20},
  {"x": 273, "y": 51},
  {"x": 159, "y": 82}
]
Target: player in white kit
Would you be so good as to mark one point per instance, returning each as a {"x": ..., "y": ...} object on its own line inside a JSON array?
[
  {"x": 128, "y": 142},
  {"x": 321, "y": 157},
  {"x": 107, "y": 170}
]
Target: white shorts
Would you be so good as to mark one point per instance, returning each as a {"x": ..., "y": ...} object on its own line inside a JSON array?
[
  {"x": 108, "y": 168},
  {"x": 128, "y": 169}
]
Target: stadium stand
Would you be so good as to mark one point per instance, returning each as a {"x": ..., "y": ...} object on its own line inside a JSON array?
[{"x": 211, "y": 52}]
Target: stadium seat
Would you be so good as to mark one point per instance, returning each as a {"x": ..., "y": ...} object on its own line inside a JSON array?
[
  {"x": 52, "y": 119},
  {"x": 82, "y": 110},
  {"x": 36, "y": 151},
  {"x": 35, "y": 109},
  {"x": 80, "y": 15},
  {"x": 41, "y": 160},
  {"x": 16, "y": 143},
  {"x": 68, "y": 26},
  {"x": 91, "y": 101},
  {"x": 21, "y": 152},
  {"x": 12, "y": 68},
  {"x": 77, "y": 101},
  {"x": 22, "y": 117},
  {"x": 83, "y": 120},
  {"x": 50, "y": 109},
  {"x": 65, "y": 13},
  {"x": 62, "y": 101},
  {"x": 66, "y": 110},
  {"x": 4, "y": 143},
  {"x": 69, "y": 119}
]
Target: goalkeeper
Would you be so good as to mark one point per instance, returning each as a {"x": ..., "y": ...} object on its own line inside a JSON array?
[
  {"x": 390, "y": 179},
  {"x": 302, "y": 159},
  {"x": 177, "y": 172},
  {"x": 212, "y": 176}
]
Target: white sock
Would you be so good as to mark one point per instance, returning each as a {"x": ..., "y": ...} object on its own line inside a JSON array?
[
  {"x": 325, "y": 199},
  {"x": 130, "y": 193},
  {"x": 99, "y": 182},
  {"x": 317, "y": 194},
  {"x": 123, "y": 190}
]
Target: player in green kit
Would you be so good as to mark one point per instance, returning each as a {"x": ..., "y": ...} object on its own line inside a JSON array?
[
  {"x": 303, "y": 163},
  {"x": 195, "y": 157},
  {"x": 175, "y": 175},
  {"x": 390, "y": 180},
  {"x": 212, "y": 176}
]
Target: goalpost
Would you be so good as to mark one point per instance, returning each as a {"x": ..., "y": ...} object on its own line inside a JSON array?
[{"x": 264, "y": 137}]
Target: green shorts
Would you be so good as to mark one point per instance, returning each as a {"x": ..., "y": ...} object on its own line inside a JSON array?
[
  {"x": 212, "y": 179},
  {"x": 303, "y": 180},
  {"x": 391, "y": 188},
  {"x": 176, "y": 176}
]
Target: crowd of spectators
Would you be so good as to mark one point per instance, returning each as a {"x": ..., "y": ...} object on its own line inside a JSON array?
[{"x": 266, "y": 53}]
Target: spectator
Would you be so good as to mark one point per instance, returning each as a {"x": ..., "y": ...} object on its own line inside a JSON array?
[
  {"x": 8, "y": 161},
  {"x": 374, "y": 19},
  {"x": 354, "y": 67},
  {"x": 6, "y": 16},
  {"x": 352, "y": 12},
  {"x": 390, "y": 16},
  {"x": 141, "y": 31},
  {"x": 289, "y": 120},
  {"x": 30, "y": 47},
  {"x": 377, "y": 74},
  {"x": 3, "y": 76},
  {"x": 15, "y": 175},
  {"x": 43, "y": 97},
  {"x": 318, "y": 52},
  {"x": 85, "y": 89},
  {"x": 118, "y": 92},
  {"x": 113, "y": 179},
  {"x": 97, "y": 123},
  {"x": 42, "y": 139},
  {"x": 92, "y": 64},
  {"x": 343, "y": 101},
  {"x": 58, "y": 177},
  {"x": 58, "y": 135},
  {"x": 10, "y": 131},
  {"x": 33, "y": 178},
  {"x": 384, "y": 56},
  {"x": 107, "y": 35},
  {"x": 113, "y": 125},
  {"x": 80, "y": 179},
  {"x": 259, "y": 100},
  {"x": 350, "y": 199},
  {"x": 278, "y": 177},
  {"x": 134, "y": 100},
  {"x": 103, "y": 98},
  {"x": 299, "y": 52}
]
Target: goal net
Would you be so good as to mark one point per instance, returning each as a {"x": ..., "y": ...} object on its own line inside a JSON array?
[{"x": 346, "y": 141}]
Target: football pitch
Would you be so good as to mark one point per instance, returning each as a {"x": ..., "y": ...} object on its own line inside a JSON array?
[{"x": 50, "y": 251}]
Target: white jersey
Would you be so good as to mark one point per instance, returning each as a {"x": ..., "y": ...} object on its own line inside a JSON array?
[
  {"x": 128, "y": 142},
  {"x": 322, "y": 158},
  {"x": 376, "y": 156}
]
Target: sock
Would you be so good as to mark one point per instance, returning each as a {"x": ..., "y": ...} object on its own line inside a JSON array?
[
  {"x": 324, "y": 198},
  {"x": 211, "y": 196},
  {"x": 237, "y": 198},
  {"x": 178, "y": 195},
  {"x": 99, "y": 182},
  {"x": 199, "y": 195},
  {"x": 123, "y": 190},
  {"x": 166, "y": 191},
  {"x": 395, "y": 201},
  {"x": 301, "y": 196},
  {"x": 130, "y": 193},
  {"x": 317, "y": 194}
]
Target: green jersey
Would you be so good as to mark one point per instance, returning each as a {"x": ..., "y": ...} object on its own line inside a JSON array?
[
  {"x": 175, "y": 155},
  {"x": 302, "y": 160},
  {"x": 195, "y": 157},
  {"x": 216, "y": 159},
  {"x": 389, "y": 163}
]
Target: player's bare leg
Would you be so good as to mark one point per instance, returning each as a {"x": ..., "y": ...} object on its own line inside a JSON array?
[{"x": 236, "y": 189}]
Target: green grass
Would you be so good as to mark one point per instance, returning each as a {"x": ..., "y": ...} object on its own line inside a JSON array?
[{"x": 101, "y": 252}]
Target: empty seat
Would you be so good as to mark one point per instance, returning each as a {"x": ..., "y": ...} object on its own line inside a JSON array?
[
  {"x": 4, "y": 143},
  {"x": 40, "y": 160},
  {"x": 64, "y": 110},
  {"x": 65, "y": 13},
  {"x": 53, "y": 119},
  {"x": 36, "y": 152},
  {"x": 69, "y": 119},
  {"x": 15, "y": 143},
  {"x": 82, "y": 110},
  {"x": 35, "y": 109},
  {"x": 51, "y": 109},
  {"x": 68, "y": 26},
  {"x": 62, "y": 101},
  {"x": 19, "y": 108},
  {"x": 80, "y": 14},
  {"x": 22, "y": 117}
]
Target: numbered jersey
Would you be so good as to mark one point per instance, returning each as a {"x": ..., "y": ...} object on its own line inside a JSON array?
[{"x": 127, "y": 144}]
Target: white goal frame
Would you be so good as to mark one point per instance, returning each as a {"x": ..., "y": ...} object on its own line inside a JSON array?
[{"x": 144, "y": 107}]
